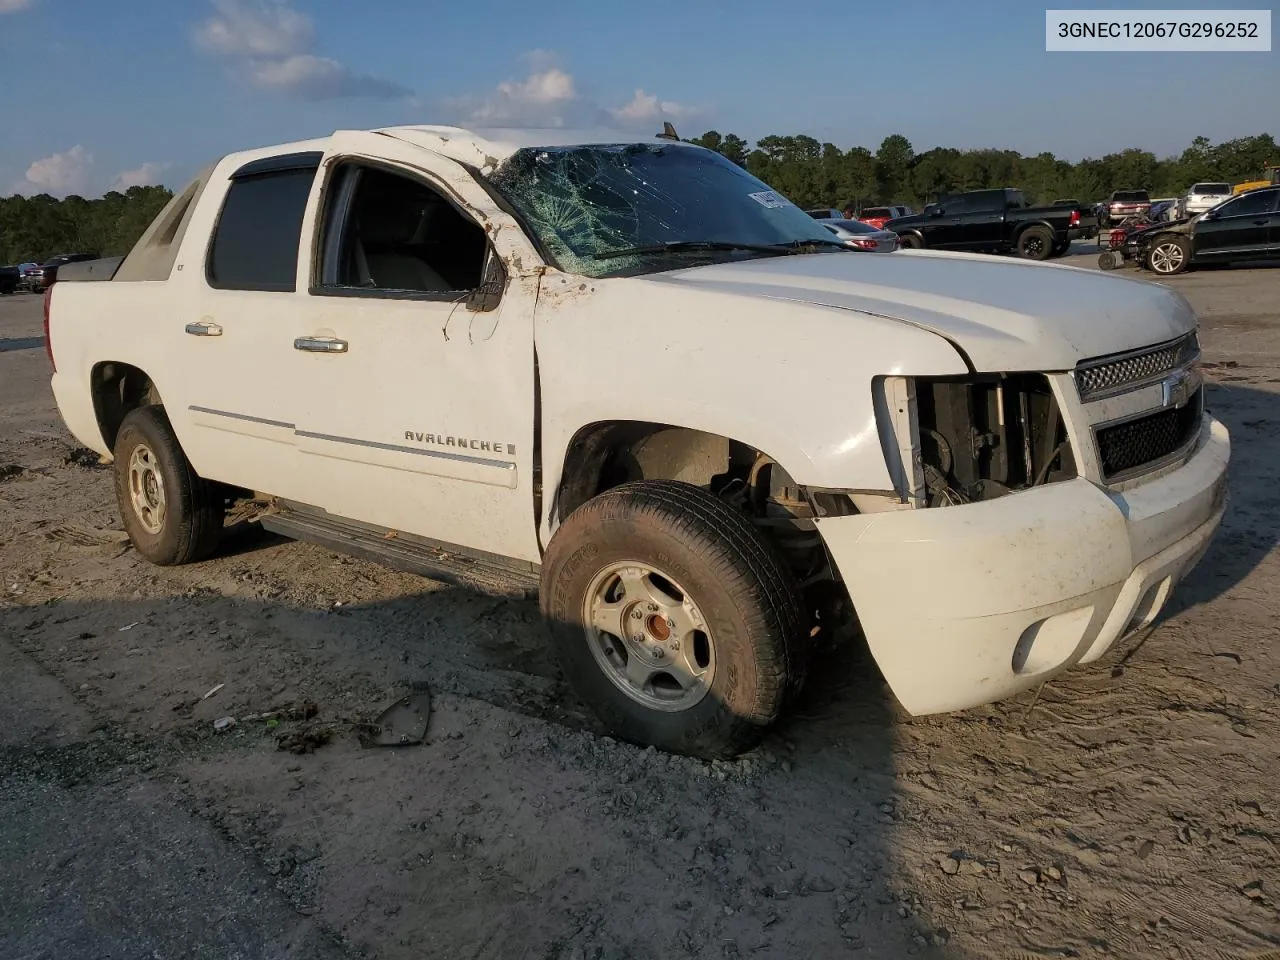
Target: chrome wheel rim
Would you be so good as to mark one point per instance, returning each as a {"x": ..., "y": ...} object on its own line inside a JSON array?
[
  {"x": 648, "y": 636},
  {"x": 146, "y": 489},
  {"x": 1166, "y": 258}
]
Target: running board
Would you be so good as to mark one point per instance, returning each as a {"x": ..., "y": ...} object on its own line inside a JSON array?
[{"x": 484, "y": 573}]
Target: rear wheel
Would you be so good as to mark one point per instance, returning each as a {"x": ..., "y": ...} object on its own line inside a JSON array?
[
  {"x": 1035, "y": 243},
  {"x": 172, "y": 515},
  {"x": 1168, "y": 256},
  {"x": 910, "y": 241},
  {"x": 673, "y": 619}
]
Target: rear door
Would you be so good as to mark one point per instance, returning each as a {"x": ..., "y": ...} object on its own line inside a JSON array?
[
  {"x": 981, "y": 222},
  {"x": 235, "y": 406},
  {"x": 1241, "y": 229}
]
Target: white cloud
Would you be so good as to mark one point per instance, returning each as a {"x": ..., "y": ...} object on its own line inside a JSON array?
[
  {"x": 59, "y": 174},
  {"x": 13, "y": 6},
  {"x": 271, "y": 45},
  {"x": 320, "y": 78},
  {"x": 267, "y": 28},
  {"x": 647, "y": 108},
  {"x": 548, "y": 97},
  {"x": 147, "y": 175}
]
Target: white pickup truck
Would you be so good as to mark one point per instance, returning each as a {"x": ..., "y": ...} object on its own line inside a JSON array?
[{"x": 632, "y": 380}]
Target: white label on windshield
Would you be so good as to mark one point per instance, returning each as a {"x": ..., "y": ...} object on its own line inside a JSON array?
[{"x": 768, "y": 199}]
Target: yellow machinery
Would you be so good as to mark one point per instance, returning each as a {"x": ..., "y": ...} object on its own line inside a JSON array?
[{"x": 1270, "y": 178}]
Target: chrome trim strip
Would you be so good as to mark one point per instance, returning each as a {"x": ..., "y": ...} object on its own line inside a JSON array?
[
  {"x": 1086, "y": 365},
  {"x": 396, "y": 448},
  {"x": 241, "y": 416}
]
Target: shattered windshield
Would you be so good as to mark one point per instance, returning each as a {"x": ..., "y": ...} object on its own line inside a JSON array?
[{"x": 625, "y": 209}]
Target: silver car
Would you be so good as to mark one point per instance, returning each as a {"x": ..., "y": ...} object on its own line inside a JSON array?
[{"x": 857, "y": 235}]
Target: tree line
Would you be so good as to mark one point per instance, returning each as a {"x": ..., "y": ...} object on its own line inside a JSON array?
[
  {"x": 33, "y": 229},
  {"x": 814, "y": 174},
  {"x": 810, "y": 173}
]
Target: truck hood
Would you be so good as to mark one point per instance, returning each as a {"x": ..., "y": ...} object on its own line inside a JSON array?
[{"x": 1003, "y": 314}]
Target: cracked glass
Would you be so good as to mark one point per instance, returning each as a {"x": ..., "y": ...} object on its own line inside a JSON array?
[{"x": 593, "y": 206}]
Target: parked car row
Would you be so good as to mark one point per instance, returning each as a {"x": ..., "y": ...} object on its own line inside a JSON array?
[
  {"x": 37, "y": 277},
  {"x": 1243, "y": 227}
]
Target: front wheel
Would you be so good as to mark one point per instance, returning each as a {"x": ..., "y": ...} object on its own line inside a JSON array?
[
  {"x": 1168, "y": 256},
  {"x": 910, "y": 241},
  {"x": 172, "y": 515},
  {"x": 673, "y": 619}
]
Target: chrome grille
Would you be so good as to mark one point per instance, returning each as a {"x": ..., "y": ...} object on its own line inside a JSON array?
[
  {"x": 1106, "y": 376},
  {"x": 1145, "y": 442}
]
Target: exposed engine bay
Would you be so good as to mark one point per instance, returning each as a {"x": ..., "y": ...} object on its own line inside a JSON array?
[{"x": 983, "y": 438}]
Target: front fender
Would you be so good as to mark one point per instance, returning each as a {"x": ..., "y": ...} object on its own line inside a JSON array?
[{"x": 791, "y": 379}]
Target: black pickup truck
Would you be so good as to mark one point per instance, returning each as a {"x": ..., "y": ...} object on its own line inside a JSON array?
[{"x": 996, "y": 221}]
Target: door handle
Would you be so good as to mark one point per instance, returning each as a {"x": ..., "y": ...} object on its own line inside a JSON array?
[
  {"x": 204, "y": 329},
  {"x": 320, "y": 344},
  {"x": 1260, "y": 223}
]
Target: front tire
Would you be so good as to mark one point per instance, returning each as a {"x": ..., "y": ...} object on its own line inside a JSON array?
[
  {"x": 1035, "y": 243},
  {"x": 172, "y": 515},
  {"x": 1169, "y": 256},
  {"x": 911, "y": 241},
  {"x": 673, "y": 619}
]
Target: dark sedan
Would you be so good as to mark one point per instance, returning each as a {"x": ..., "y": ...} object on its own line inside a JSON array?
[{"x": 1246, "y": 227}]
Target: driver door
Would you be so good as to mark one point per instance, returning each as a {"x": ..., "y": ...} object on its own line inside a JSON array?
[
  {"x": 1240, "y": 229},
  {"x": 416, "y": 362}
]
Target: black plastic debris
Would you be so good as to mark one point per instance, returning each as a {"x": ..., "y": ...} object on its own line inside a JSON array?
[{"x": 402, "y": 724}]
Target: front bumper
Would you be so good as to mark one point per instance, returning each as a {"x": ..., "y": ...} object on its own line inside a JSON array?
[{"x": 965, "y": 605}]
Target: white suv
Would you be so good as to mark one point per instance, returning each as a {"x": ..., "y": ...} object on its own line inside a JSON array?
[{"x": 1202, "y": 196}]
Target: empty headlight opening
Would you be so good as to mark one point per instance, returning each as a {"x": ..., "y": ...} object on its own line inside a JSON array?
[{"x": 967, "y": 439}]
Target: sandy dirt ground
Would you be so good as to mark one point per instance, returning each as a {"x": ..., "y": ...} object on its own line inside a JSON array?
[{"x": 1129, "y": 809}]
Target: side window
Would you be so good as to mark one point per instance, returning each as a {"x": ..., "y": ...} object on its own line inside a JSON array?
[
  {"x": 957, "y": 206},
  {"x": 1251, "y": 204},
  {"x": 390, "y": 232},
  {"x": 255, "y": 242}
]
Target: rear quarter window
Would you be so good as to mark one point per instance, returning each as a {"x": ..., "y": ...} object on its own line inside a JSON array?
[{"x": 255, "y": 242}]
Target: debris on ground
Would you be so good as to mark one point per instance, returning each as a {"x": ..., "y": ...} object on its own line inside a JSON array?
[
  {"x": 402, "y": 724},
  {"x": 82, "y": 457},
  {"x": 307, "y": 739},
  {"x": 224, "y": 723},
  {"x": 213, "y": 691},
  {"x": 10, "y": 470}
]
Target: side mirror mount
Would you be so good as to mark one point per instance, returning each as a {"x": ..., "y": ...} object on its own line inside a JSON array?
[{"x": 493, "y": 282}]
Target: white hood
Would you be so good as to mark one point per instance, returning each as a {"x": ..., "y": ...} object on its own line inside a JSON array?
[{"x": 1004, "y": 314}]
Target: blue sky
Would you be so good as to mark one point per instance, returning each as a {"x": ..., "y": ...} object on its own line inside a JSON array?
[{"x": 134, "y": 91}]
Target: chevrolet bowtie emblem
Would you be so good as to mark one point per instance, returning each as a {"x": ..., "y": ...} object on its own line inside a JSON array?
[{"x": 1177, "y": 388}]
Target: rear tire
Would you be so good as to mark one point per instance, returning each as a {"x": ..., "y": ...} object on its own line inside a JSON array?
[
  {"x": 714, "y": 644},
  {"x": 172, "y": 515},
  {"x": 1035, "y": 243}
]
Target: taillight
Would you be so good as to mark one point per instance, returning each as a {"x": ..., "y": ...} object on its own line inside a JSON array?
[
  {"x": 48, "y": 344},
  {"x": 864, "y": 243},
  {"x": 1075, "y": 217}
]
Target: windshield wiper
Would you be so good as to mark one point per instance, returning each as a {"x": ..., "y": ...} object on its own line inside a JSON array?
[
  {"x": 795, "y": 244},
  {"x": 681, "y": 246}
]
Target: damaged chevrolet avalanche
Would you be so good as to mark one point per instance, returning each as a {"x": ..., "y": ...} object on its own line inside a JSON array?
[{"x": 631, "y": 380}]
